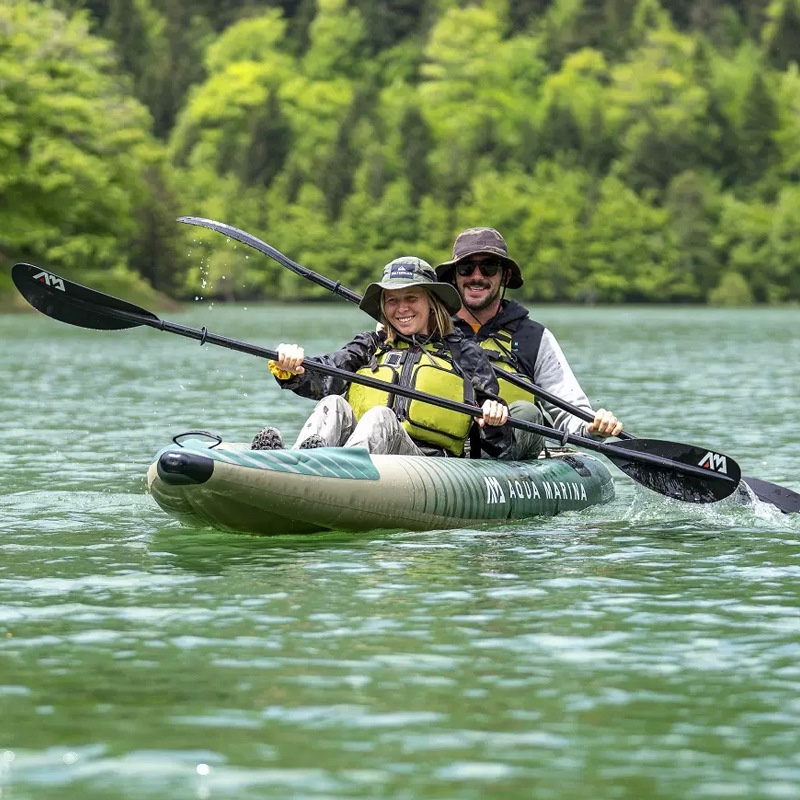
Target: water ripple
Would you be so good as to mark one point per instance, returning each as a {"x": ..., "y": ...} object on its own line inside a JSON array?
[{"x": 649, "y": 648}]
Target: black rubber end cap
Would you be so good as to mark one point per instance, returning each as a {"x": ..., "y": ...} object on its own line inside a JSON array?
[{"x": 180, "y": 468}]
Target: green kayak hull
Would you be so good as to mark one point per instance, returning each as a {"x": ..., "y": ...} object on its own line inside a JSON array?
[{"x": 274, "y": 492}]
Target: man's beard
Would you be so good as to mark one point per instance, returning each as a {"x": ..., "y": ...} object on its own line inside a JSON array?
[{"x": 486, "y": 302}]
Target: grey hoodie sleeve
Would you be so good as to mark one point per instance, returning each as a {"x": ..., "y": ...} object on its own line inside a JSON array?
[{"x": 555, "y": 374}]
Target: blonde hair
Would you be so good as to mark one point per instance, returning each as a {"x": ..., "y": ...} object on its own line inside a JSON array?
[{"x": 441, "y": 321}]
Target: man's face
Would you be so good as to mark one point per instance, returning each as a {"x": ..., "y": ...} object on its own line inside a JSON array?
[{"x": 478, "y": 290}]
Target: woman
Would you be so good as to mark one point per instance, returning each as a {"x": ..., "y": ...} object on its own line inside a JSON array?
[{"x": 415, "y": 346}]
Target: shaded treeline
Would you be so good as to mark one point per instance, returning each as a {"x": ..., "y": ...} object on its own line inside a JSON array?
[{"x": 630, "y": 150}]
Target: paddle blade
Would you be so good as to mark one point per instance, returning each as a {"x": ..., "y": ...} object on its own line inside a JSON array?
[
  {"x": 251, "y": 241},
  {"x": 222, "y": 227},
  {"x": 75, "y": 304},
  {"x": 781, "y": 497},
  {"x": 718, "y": 477}
]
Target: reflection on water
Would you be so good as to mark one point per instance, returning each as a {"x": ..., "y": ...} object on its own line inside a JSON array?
[{"x": 648, "y": 648}]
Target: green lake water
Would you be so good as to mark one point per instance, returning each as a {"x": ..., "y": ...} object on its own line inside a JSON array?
[{"x": 643, "y": 649}]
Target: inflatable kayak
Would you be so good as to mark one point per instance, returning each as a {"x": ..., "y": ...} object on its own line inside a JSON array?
[{"x": 270, "y": 492}]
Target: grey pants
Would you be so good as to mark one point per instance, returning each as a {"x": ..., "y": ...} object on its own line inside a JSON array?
[
  {"x": 526, "y": 444},
  {"x": 378, "y": 430}
]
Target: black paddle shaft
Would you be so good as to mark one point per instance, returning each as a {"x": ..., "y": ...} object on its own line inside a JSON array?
[{"x": 676, "y": 470}]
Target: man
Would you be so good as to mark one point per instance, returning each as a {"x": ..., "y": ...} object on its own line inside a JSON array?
[{"x": 482, "y": 270}]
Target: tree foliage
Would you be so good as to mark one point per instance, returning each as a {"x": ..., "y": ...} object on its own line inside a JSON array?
[
  {"x": 629, "y": 150},
  {"x": 78, "y": 164}
]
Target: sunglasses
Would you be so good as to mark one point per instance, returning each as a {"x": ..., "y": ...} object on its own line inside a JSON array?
[{"x": 488, "y": 268}]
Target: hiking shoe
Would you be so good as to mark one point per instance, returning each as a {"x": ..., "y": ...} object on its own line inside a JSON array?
[
  {"x": 311, "y": 443},
  {"x": 267, "y": 439}
]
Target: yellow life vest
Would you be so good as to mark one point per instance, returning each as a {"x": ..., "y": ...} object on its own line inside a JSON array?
[
  {"x": 425, "y": 371},
  {"x": 498, "y": 348}
]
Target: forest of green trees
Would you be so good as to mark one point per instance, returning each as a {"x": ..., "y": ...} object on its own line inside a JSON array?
[{"x": 629, "y": 150}]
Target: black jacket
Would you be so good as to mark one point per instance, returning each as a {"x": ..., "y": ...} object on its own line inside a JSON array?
[{"x": 526, "y": 335}]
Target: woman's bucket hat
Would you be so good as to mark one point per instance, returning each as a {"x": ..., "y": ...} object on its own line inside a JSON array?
[{"x": 404, "y": 272}]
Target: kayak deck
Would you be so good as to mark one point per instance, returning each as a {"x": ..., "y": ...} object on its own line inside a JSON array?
[{"x": 272, "y": 492}]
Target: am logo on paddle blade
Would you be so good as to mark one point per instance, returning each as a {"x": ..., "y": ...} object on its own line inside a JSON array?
[
  {"x": 50, "y": 280},
  {"x": 715, "y": 462}
]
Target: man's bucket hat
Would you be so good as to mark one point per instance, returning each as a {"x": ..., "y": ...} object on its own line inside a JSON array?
[{"x": 483, "y": 241}]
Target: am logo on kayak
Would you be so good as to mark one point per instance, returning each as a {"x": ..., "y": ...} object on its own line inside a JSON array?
[
  {"x": 714, "y": 462},
  {"x": 528, "y": 490}
]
